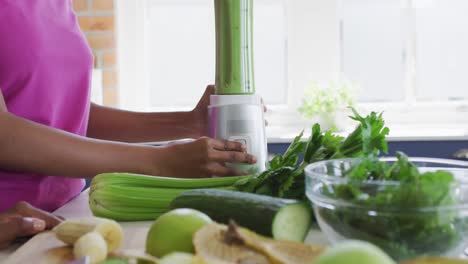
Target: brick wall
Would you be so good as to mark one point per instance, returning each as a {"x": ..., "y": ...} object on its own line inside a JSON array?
[{"x": 96, "y": 18}]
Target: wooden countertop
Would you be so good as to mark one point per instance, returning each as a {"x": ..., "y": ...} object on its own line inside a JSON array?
[{"x": 45, "y": 248}]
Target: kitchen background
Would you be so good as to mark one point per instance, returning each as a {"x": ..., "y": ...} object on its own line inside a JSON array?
[
  {"x": 312, "y": 57},
  {"x": 97, "y": 21}
]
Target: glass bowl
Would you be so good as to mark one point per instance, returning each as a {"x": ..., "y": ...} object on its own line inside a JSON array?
[{"x": 405, "y": 220}]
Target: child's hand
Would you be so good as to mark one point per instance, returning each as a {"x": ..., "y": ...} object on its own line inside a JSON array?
[{"x": 24, "y": 220}]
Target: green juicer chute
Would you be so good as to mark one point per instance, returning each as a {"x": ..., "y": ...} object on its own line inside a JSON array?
[
  {"x": 235, "y": 111},
  {"x": 234, "y": 48}
]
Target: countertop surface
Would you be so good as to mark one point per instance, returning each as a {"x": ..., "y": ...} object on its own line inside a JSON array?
[{"x": 134, "y": 235}]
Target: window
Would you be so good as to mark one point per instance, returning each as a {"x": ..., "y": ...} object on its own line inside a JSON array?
[
  {"x": 441, "y": 41},
  {"x": 409, "y": 50},
  {"x": 177, "y": 49},
  {"x": 372, "y": 40},
  {"x": 407, "y": 55}
]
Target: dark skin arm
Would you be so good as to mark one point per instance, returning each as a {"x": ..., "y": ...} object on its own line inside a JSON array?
[
  {"x": 31, "y": 147},
  {"x": 3, "y": 107},
  {"x": 35, "y": 148},
  {"x": 125, "y": 126}
]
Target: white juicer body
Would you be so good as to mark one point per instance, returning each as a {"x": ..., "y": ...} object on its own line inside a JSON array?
[{"x": 240, "y": 118}]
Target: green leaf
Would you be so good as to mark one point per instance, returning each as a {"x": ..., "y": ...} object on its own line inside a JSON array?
[
  {"x": 286, "y": 178},
  {"x": 369, "y": 138},
  {"x": 314, "y": 143},
  {"x": 276, "y": 162},
  {"x": 286, "y": 186},
  {"x": 291, "y": 156}
]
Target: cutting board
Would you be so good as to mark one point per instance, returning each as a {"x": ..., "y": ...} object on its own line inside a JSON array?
[{"x": 45, "y": 248}]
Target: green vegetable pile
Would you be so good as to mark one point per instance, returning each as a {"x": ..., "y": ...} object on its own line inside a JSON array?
[
  {"x": 405, "y": 222},
  {"x": 400, "y": 232},
  {"x": 286, "y": 178}
]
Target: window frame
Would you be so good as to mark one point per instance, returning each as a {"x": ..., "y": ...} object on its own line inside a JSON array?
[
  {"x": 131, "y": 37},
  {"x": 312, "y": 56}
]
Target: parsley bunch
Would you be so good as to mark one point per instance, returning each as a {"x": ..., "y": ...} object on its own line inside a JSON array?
[{"x": 286, "y": 178}]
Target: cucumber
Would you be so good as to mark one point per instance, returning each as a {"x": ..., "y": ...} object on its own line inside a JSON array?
[{"x": 278, "y": 218}]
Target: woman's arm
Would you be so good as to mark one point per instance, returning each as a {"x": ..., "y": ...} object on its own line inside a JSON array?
[
  {"x": 125, "y": 126},
  {"x": 30, "y": 147},
  {"x": 3, "y": 107}
]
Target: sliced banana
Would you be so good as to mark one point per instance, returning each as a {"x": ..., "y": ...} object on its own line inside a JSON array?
[
  {"x": 70, "y": 231},
  {"x": 92, "y": 245},
  {"x": 213, "y": 247}
]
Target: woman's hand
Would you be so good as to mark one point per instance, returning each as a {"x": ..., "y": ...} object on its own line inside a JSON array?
[
  {"x": 203, "y": 158},
  {"x": 24, "y": 220}
]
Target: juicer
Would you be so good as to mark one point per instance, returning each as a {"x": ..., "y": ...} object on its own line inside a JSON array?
[{"x": 235, "y": 111}]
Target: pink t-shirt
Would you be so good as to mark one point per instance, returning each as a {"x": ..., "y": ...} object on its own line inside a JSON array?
[{"x": 45, "y": 72}]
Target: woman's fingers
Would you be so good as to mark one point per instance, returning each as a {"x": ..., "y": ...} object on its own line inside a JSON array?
[
  {"x": 225, "y": 145},
  {"x": 218, "y": 170},
  {"x": 28, "y": 226},
  {"x": 234, "y": 157},
  {"x": 7, "y": 234},
  {"x": 265, "y": 109},
  {"x": 26, "y": 210},
  {"x": 24, "y": 220},
  {"x": 14, "y": 226},
  {"x": 230, "y": 151}
]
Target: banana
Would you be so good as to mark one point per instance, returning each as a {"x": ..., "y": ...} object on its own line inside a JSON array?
[
  {"x": 91, "y": 244},
  {"x": 70, "y": 231}
]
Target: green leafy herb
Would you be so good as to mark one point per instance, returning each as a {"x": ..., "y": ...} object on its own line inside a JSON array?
[
  {"x": 286, "y": 177},
  {"x": 291, "y": 156}
]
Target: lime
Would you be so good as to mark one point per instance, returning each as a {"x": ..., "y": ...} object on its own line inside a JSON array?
[
  {"x": 354, "y": 252},
  {"x": 173, "y": 232}
]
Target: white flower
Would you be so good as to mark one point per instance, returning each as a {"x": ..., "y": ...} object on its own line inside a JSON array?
[{"x": 329, "y": 98}]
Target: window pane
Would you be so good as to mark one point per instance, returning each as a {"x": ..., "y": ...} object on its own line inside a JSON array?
[
  {"x": 441, "y": 50},
  {"x": 270, "y": 50},
  {"x": 372, "y": 48},
  {"x": 181, "y": 48}
]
